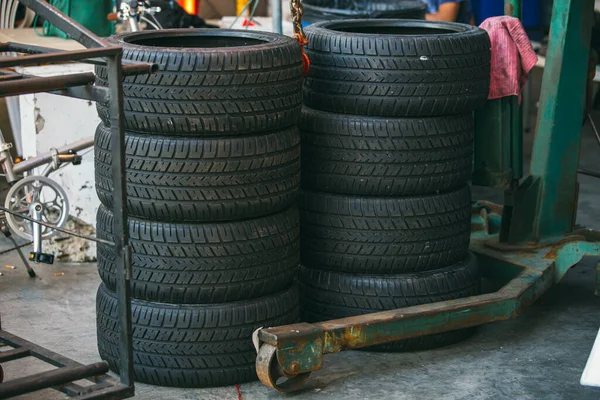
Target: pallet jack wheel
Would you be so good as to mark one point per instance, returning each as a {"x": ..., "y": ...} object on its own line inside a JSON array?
[{"x": 271, "y": 373}]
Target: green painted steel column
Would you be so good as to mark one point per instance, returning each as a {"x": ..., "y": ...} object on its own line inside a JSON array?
[
  {"x": 513, "y": 8},
  {"x": 548, "y": 199},
  {"x": 499, "y": 136}
]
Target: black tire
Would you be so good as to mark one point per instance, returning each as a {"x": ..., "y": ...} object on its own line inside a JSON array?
[
  {"x": 384, "y": 235},
  {"x": 205, "y": 263},
  {"x": 192, "y": 345},
  {"x": 397, "y": 68},
  {"x": 327, "y": 10},
  {"x": 239, "y": 82},
  {"x": 385, "y": 157},
  {"x": 205, "y": 178},
  {"x": 326, "y": 295}
]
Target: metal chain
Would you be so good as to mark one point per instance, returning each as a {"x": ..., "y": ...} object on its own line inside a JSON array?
[{"x": 297, "y": 13}]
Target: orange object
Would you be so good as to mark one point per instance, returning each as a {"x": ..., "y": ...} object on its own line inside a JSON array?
[
  {"x": 305, "y": 60},
  {"x": 190, "y": 6},
  {"x": 240, "y": 5}
]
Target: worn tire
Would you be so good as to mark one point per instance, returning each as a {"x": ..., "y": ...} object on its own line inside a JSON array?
[
  {"x": 377, "y": 68},
  {"x": 192, "y": 345},
  {"x": 205, "y": 178},
  {"x": 384, "y": 235},
  {"x": 321, "y": 10},
  {"x": 241, "y": 82},
  {"x": 205, "y": 263},
  {"x": 326, "y": 295},
  {"x": 385, "y": 157}
]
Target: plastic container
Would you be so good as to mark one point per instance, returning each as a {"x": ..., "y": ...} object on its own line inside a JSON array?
[
  {"x": 324, "y": 10},
  {"x": 532, "y": 11}
]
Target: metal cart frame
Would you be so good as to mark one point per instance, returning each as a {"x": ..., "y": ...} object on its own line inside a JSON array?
[{"x": 80, "y": 86}]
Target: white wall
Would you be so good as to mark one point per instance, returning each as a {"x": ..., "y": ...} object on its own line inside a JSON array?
[{"x": 50, "y": 121}]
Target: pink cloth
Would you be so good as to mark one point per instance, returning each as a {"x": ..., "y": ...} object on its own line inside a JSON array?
[{"x": 512, "y": 56}]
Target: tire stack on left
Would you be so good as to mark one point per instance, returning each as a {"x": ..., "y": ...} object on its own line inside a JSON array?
[
  {"x": 387, "y": 146},
  {"x": 213, "y": 171}
]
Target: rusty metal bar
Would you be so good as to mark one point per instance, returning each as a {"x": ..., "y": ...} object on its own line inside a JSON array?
[
  {"x": 589, "y": 173},
  {"x": 87, "y": 92},
  {"x": 27, "y": 48},
  {"x": 10, "y": 76},
  {"x": 51, "y": 378},
  {"x": 75, "y": 30},
  {"x": 15, "y": 354},
  {"x": 45, "y": 158},
  {"x": 120, "y": 224},
  {"x": 36, "y": 351},
  {"x": 382, "y": 327},
  {"x": 139, "y": 69},
  {"x": 119, "y": 392},
  {"x": 129, "y": 67},
  {"x": 58, "y": 57},
  {"x": 35, "y": 85}
]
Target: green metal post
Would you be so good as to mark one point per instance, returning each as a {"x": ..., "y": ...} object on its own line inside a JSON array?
[
  {"x": 513, "y": 8},
  {"x": 498, "y": 143},
  {"x": 546, "y": 203}
]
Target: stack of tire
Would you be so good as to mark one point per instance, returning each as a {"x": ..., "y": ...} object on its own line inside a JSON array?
[
  {"x": 387, "y": 146},
  {"x": 213, "y": 173}
]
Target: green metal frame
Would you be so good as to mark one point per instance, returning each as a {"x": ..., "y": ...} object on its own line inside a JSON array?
[
  {"x": 524, "y": 247},
  {"x": 546, "y": 203}
]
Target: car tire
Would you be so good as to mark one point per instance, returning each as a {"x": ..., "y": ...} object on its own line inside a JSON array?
[
  {"x": 205, "y": 263},
  {"x": 384, "y": 235},
  {"x": 191, "y": 345},
  {"x": 397, "y": 68},
  {"x": 371, "y": 156},
  {"x": 203, "y": 178},
  {"x": 209, "y": 82}
]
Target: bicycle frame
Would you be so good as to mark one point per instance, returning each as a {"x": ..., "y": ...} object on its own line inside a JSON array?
[{"x": 55, "y": 156}]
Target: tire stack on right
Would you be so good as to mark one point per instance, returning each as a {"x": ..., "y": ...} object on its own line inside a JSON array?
[{"x": 387, "y": 143}]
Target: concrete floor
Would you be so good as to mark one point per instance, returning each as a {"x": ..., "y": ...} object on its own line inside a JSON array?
[{"x": 540, "y": 355}]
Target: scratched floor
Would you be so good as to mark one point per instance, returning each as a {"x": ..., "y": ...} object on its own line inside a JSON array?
[{"x": 540, "y": 355}]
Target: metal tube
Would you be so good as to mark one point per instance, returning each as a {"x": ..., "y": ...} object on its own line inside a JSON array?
[
  {"x": 9, "y": 76},
  {"x": 50, "y": 378},
  {"x": 6, "y": 160},
  {"x": 44, "y": 158},
  {"x": 277, "y": 16},
  {"x": 87, "y": 92},
  {"x": 15, "y": 354},
  {"x": 589, "y": 173},
  {"x": 121, "y": 226},
  {"x": 58, "y": 57},
  {"x": 37, "y": 228},
  {"x": 139, "y": 68},
  {"x": 129, "y": 67},
  {"x": 27, "y": 48},
  {"x": 64, "y": 23},
  {"x": 36, "y": 85}
]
